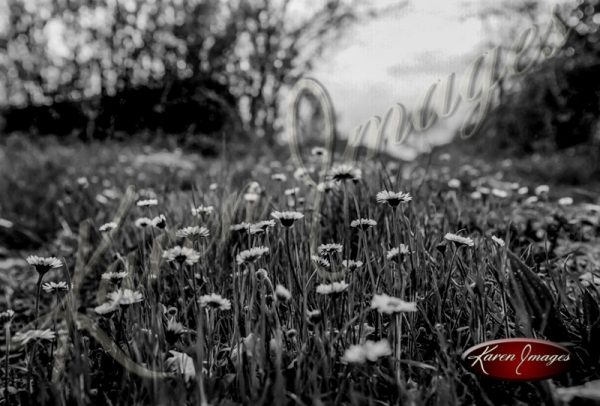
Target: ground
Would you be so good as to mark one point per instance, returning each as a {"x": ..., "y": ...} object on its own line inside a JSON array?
[{"x": 261, "y": 340}]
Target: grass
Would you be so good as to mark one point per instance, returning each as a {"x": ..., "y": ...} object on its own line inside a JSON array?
[{"x": 267, "y": 347}]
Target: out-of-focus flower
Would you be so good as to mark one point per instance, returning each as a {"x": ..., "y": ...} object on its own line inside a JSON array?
[
  {"x": 181, "y": 363},
  {"x": 454, "y": 183},
  {"x": 459, "y": 240},
  {"x": 202, "y": 210},
  {"x": 147, "y": 203},
  {"x": 565, "y": 201},
  {"x": 113, "y": 276},
  {"x": 369, "y": 351},
  {"x": 279, "y": 177},
  {"x": 108, "y": 227},
  {"x": 6, "y": 316},
  {"x": 314, "y": 316},
  {"x": 291, "y": 192},
  {"x": 498, "y": 241},
  {"x": 389, "y": 304},
  {"x": 398, "y": 252},
  {"x": 332, "y": 288},
  {"x": 32, "y": 335},
  {"x": 106, "y": 308},
  {"x": 282, "y": 294},
  {"x": 542, "y": 190},
  {"x": 143, "y": 222}
]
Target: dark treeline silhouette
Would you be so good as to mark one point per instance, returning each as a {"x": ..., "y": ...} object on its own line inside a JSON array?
[
  {"x": 556, "y": 105},
  {"x": 200, "y": 66}
]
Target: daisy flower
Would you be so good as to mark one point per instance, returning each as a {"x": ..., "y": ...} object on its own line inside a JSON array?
[
  {"x": 143, "y": 222},
  {"x": 476, "y": 195},
  {"x": 565, "y": 201},
  {"x": 320, "y": 261},
  {"x": 6, "y": 316},
  {"x": 282, "y": 294},
  {"x": 369, "y": 351},
  {"x": 531, "y": 200},
  {"x": 251, "y": 197},
  {"x": 542, "y": 190},
  {"x": 314, "y": 316},
  {"x": 287, "y": 218},
  {"x": 31, "y": 335},
  {"x": 332, "y": 288},
  {"x": 279, "y": 177},
  {"x": 193, "y": 232},
  {"x": 292, "y": 192},
  {"x": 55, "y": 287},
  {"x": 363, "y": 224},
  {"x": 393, "y": 198},
  {"x": 325, "y": 186},
  {"x": 454, "y": 183},
  {"x": 300, "y": 173},
  {"x": 159, "y": 221},
  {"x": 215, "y": 301},
  {"x": 113, "y": 276},
  {"x": 43, "y": 265},
  {"x": 264, "y": 225},
  {"x": 396, "y": 252},
  {"x": 329, "y": 248},
  {"x": 500, "y": 193},
  {"x": 389, "y": 304},
  {"x": 107, "y": 227},
  {"x": 147, "y": 203},
  {"x": 344, "y": 172},
  {"x": 182, "y": 255},
  {"x": 498, "y": 241},
  {"x": 181, "y": 363},
  {"x": 202, "y": 210},
  {"x": 351, "y": 265},
  {"x": 106, "y": 308},
  {"x": 318, "y": 151},
  {"x": 251, "y": 255},
  {"x": 459, "y": 240},
  {"x": 125, "y": 297}
]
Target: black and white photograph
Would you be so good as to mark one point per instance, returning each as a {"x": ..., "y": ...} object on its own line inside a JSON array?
[{"x": 299, "y": 202}]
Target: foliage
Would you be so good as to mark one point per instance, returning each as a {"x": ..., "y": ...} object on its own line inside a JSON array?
[{"x": 264, "y": 349}]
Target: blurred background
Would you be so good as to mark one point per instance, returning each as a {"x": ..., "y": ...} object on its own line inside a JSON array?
[{"x": 123, "y": 81}]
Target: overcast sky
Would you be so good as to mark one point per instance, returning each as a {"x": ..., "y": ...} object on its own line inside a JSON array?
[{"x": 395, "y": 59}]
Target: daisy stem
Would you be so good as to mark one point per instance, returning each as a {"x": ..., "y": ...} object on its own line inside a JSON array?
[
  {"x": 6, "y": 370},
  {"x": 37, "y": 298}
]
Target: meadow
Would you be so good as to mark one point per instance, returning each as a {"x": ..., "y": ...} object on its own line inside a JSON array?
[{"x": 134, "y": 275}]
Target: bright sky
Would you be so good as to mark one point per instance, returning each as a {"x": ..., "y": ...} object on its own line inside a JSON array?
[{"x": 396, "y": 58}]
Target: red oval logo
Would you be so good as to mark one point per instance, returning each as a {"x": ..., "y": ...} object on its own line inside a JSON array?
[{"x": 518, "y": 359}]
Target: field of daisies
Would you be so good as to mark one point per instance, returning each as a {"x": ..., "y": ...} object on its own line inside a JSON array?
[{"x": 152, "y": 277}]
